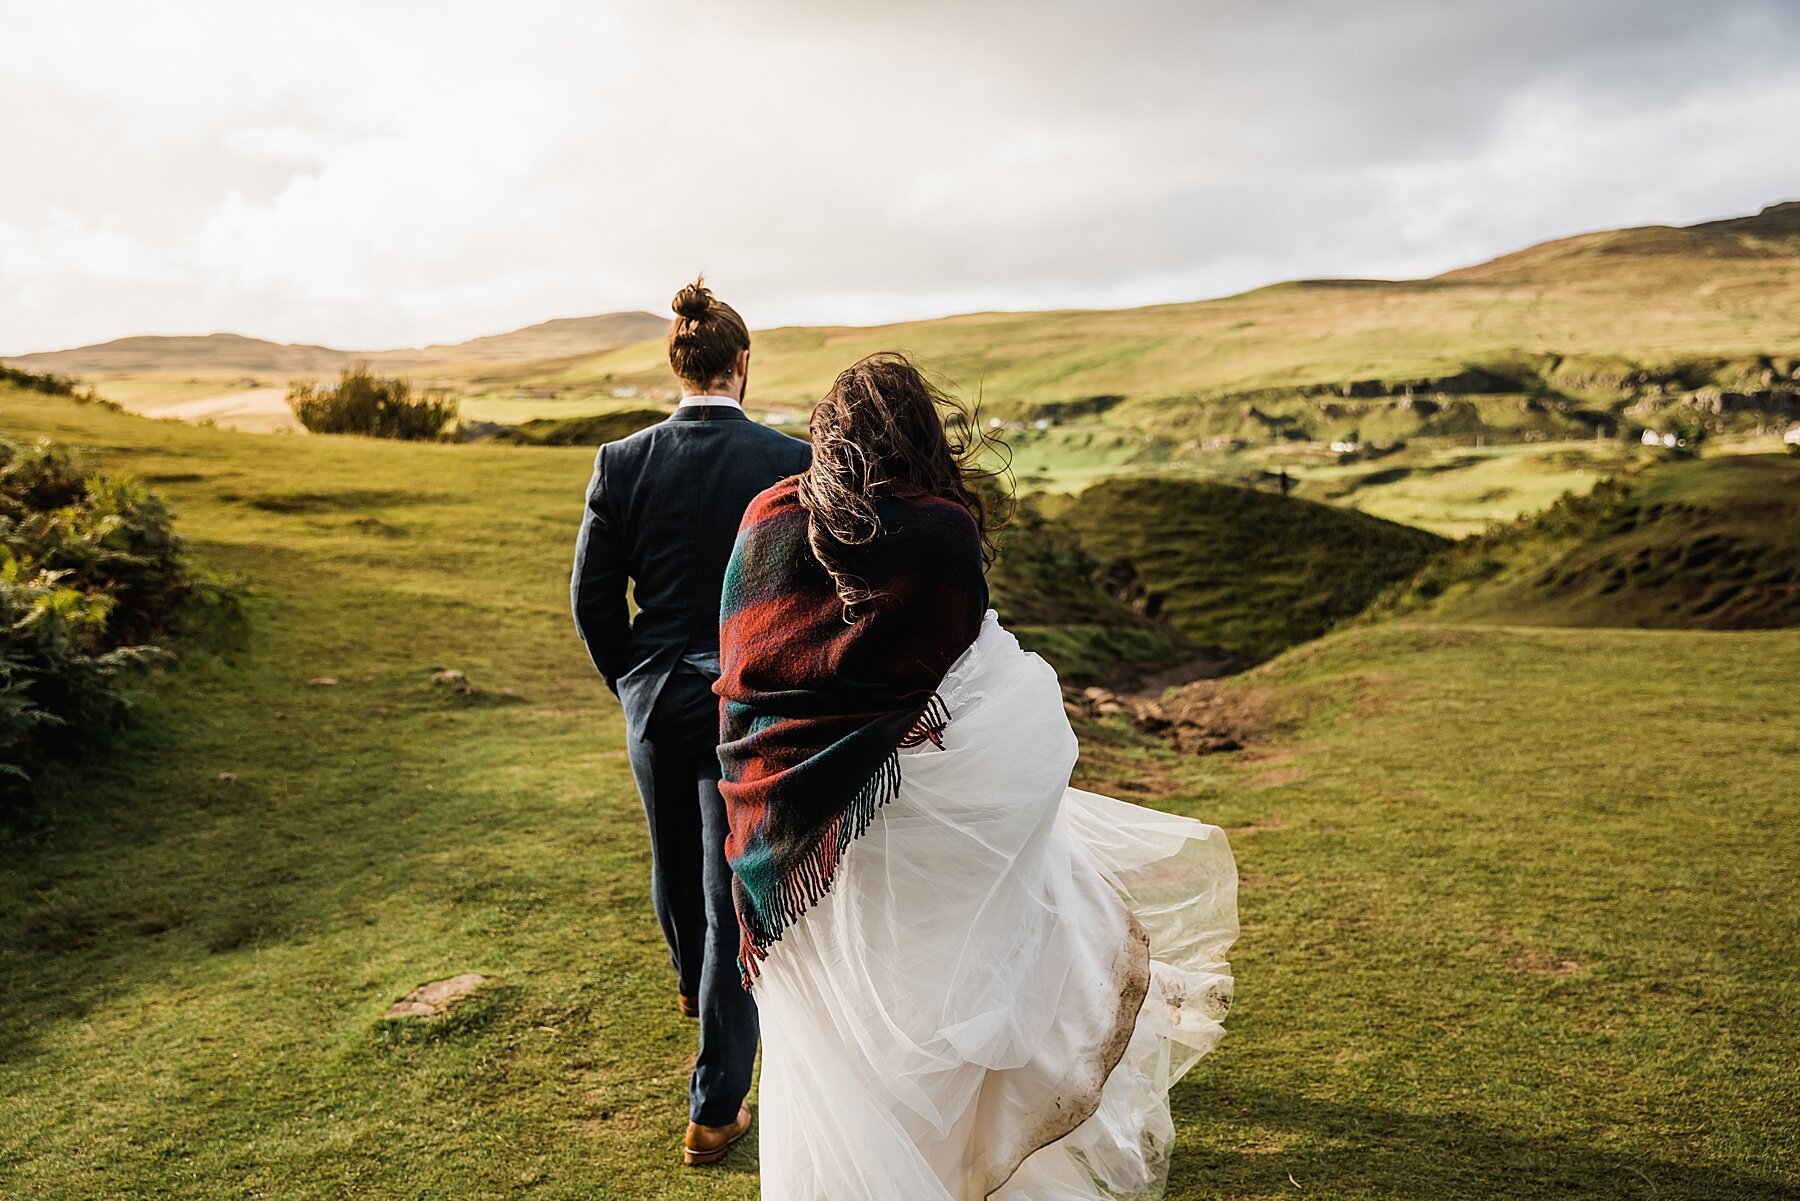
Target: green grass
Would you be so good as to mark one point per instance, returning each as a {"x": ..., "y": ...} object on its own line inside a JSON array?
[
  {"x": 1440, "y": 819},
  {"x": 1511, "y": 925}
]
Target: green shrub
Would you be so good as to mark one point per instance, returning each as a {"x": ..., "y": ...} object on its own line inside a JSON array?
[
  {"x": 51, "y": 384},
  {"x": 92, "y": 583},
  {"x": 364, "y": 403},
  {"x": 38, "y": 381}
]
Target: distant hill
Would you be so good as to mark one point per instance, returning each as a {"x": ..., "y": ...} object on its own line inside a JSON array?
[
  {"x": 1597, "y": 332},
  {"x": 1249, "y": 571},
  {"x": 557, "y": 339},
  {"x": 213, "y": 353},
  {"x": 1702, "y": 544},
  {"x": 1771, "y": 235}
]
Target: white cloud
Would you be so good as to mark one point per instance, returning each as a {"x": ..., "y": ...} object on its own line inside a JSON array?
[{"x": 396, "y": 173}]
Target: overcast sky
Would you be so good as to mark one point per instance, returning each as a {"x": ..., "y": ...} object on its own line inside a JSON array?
[{"x": 377, "y": 174}]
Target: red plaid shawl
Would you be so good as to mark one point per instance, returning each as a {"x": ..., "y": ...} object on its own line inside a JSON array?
[{"x": 815, "y": 708}]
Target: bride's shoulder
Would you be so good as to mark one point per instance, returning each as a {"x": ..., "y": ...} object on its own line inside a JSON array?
[
  {"x": 778, "y": 498},
  {"x": 941, "y": 515}
]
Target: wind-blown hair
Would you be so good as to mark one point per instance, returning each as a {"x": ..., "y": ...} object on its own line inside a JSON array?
[
  {"x": 706, "y": 336},
  {"x": 883, "y": 431}
]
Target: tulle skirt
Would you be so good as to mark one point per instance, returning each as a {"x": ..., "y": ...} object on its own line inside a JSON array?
[{"x": 1006, "y": 978}]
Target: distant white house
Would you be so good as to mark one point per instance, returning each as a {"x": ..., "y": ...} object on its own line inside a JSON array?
[
  {"x": 778, "y": 417},
  {"x": 1652, "y": 438},
  {"x": 1792, "y": 437},
  {"x": 1346, "y": 448}
]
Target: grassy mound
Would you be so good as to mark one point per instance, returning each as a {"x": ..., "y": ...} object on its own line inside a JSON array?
[
  {"x": 1702, "y": 544},
  {"x": 1249, "y": 571},
  {"x": 1050, "y": 592},
  {"x": 590, "y": 430}
]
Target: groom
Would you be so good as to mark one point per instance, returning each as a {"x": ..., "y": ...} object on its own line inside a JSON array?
[{"x": 662, "y": 514}]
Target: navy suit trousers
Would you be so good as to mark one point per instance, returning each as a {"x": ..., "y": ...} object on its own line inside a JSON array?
[{"x": 677, "y": 768}]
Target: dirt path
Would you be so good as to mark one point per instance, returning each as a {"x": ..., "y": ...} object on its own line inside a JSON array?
[
  {"x": 256, "y": 410},
  {"x": 1197, "y": 716}
]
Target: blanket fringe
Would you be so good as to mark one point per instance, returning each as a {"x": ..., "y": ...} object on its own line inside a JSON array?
[
  {"x": 810, "y": 879},
  {"x": 930, "y": 726}
]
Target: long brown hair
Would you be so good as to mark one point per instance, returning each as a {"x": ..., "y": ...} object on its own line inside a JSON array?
[
  {"x": 884, "y": 431},
  {"x": 706, "y": 336}
]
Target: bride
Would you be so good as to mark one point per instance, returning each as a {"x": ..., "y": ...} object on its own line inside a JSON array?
[{"x": 974, "y": 980}]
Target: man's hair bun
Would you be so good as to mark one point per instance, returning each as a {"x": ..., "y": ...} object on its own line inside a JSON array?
[
  {"x": 706, "y": 336},
  {"x": 694, "y": 301}
]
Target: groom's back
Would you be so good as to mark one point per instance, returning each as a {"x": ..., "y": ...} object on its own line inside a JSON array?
[{"x": 674, "y": 494}]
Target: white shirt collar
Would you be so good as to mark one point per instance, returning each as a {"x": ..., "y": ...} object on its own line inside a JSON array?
[{"x": 710, "y": 400}]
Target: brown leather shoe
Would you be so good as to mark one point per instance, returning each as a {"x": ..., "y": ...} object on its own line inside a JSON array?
[
  {"x": 689, "y": 1006},
  {"x": 708, "y": 1144}
]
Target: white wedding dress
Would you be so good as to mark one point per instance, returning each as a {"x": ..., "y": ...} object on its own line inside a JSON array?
[{"x": 1005, "y": 979}]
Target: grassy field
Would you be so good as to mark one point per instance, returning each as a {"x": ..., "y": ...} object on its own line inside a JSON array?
[
  {"x": 1459, "y": 490},
  {"x": 1516, "y": 901}
]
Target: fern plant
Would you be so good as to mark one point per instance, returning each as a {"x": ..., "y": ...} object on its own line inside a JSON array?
[{"x": 93, "y": 583}]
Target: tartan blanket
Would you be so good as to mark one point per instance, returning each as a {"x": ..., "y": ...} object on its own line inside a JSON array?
[{"x": 814, "y": 707}]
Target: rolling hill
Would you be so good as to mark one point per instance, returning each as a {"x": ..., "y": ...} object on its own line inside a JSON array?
[
  {"x": 213, "y": 353},
  {"x": 561, "y": 338},
  {"x": 1251, "y": 572},
  {"x": 1599, "y": 333},
  {"x": 1703, "y": 544},
  {"x": 206, "y": 353},
  {"x": 1558, "y": 339}
]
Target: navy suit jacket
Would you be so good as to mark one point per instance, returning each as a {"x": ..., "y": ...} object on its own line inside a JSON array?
[{"x": 662, "y": 513}]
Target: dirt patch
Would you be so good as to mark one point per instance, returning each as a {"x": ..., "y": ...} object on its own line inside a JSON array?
[
  {"x": 1541, "y": 963},
  {"x": 1275, "y": 777},
  {"x": 1257, "y": 827},
  {"x": 254, "y": 410},
  {"x": 1257, "y": 882},
  {"x": 1213, "y": 663},
  {"x": 1531, "y": 961},
  {"x": 1202, "y": 718}
]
